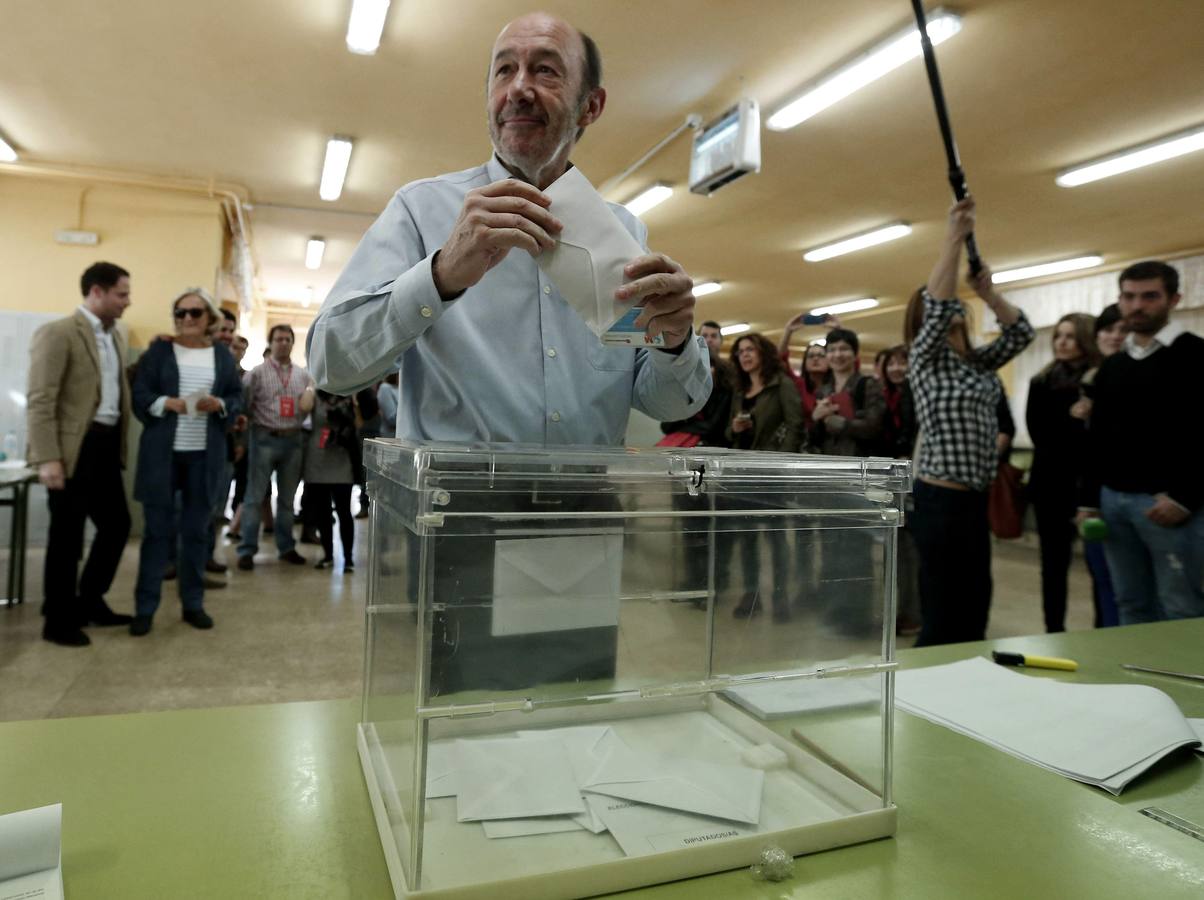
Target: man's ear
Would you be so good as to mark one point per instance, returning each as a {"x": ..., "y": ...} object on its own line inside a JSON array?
[
  {"x": 591, "y": 111},
  {"x": 1175, "y": 300}
]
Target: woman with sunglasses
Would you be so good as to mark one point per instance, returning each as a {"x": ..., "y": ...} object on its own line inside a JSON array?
[{"x": 185, "y": 392}]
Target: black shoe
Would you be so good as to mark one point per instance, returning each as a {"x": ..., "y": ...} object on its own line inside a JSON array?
[
  {"x": 100, "y": 614},
  {"x": 212, "y": 565},
  {"x": 65, "y": 637},
  {"x": 140, "y": 626},
  {"x": 293, "y": 557},
  {"x": 246, "y": 563},
  {"x": 233, "y": 537},
  {"x": 325, "y": 563},
  {"x": 309, "y": 536},
  {"x": 748, "y": 607},
  {"x": 213, "y": 584},
  {"x": 169, "y": 574},
  {"x": 348, "y": 567},
  {"x": 198, "y": 618}
]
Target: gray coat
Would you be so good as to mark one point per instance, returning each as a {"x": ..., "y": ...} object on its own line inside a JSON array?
[{"x": 330, "y": 464}]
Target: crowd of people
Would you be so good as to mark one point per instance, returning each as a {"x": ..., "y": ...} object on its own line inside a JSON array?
[
  {"x": 936, "y": 398},
  {"x": 214, "y": 434}
]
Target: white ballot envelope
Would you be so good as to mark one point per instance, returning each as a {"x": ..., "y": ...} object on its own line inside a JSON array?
[
  {"x": 190, "y": 403},
  {"x": 587, "y": 746},
  {"x": 440, "y": 770},
  {"x": 689, "y": 785},
  {"x": 586, "y": 265},
  {"x": 31, "y": 854},
  {"x": 514, "y": 779},
  {"x": 556, "y": 584}
]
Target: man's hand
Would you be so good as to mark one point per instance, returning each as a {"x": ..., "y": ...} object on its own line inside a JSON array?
[
  {"x": 666, "y": 292},
  {"x": 208, "y": 404},
  {"x": 176, "y": 405},
  {"x": 1166, "y": 512},
  {"x": 52, "y": 475},
  {"x": 240, "y": 423},
  {"x": 1082, "y": 408},
  {"x": 493, "y": 221}
]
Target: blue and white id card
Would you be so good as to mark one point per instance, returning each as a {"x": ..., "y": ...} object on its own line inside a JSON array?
[{"x": 625, "y": 333}]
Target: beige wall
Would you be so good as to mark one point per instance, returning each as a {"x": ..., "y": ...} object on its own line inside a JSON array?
[{"x": 168, "y": 240}]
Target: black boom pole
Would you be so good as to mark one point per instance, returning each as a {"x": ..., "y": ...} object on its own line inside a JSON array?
[{"x": 957, "y": 176}]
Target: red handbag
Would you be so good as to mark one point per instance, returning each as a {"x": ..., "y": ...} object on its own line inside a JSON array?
[
  {"x": 1005, "y": 503},
  {"x": 679, "y": 439}
]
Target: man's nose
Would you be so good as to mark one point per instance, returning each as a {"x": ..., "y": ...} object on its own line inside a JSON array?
[{"x": 520, "y": 86}]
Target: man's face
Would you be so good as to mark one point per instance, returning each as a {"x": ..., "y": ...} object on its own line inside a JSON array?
[
  {"x": 225, "y": 331},
  {"x": 712, "y": 336},
  {"x": 534, "y": 94},
  {"x": 108, "y": 305},
  {"x": 1145, "y": 305},
  {"x": 282, "y": 345},
  {"x": 238, "y": 346}
]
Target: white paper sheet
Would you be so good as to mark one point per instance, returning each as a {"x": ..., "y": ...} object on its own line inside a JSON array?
[
  {"x": 777, "y": 699},
  {"x": 688, "y": 785},
  {"x": 514, "y": 779},
  {"x": 586, "y": 746},
  {"x": 508, "y": 828},
  {"x": 556, "y": 584},
  {"x": 586, "y": 265},
  {"x": 641, "y": 829},
  {"x": 1197, "y": 725},
  {"x": 440, "y": 769},
  {"x": 31, "y": 854},
  {"x": 1100, "y": 734}
]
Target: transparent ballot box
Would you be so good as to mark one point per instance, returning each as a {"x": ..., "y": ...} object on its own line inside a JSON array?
[{"x": 593, "y": 669}]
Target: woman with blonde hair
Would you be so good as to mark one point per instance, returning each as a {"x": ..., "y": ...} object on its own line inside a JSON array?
[
  {"x": 1059, "y": 450},
  {"x": 185, "y": 392}
]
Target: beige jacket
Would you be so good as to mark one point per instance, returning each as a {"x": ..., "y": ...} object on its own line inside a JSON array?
[{"x": 64, "y": 390}]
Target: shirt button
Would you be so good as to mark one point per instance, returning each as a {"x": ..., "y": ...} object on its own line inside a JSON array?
[
  {"x": 426, "y": 312},
  {"x": 552, "y": 352},
  {"x": 547, "y": 289},
  {"x": 555, "y": 417}
]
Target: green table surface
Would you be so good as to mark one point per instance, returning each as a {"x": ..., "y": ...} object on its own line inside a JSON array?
[{"x": 269, "y": 801}]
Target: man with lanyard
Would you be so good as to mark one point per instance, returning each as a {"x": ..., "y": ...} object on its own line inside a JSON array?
[{"x": 279, "y": 397}]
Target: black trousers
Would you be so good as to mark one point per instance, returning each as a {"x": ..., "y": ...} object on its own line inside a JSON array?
[
  {"x": 95, "y": 491},
  {"x": 953, "y": 541},
  {"x": 318, "y": 499},
  {"x": 1055, "y": 530}
]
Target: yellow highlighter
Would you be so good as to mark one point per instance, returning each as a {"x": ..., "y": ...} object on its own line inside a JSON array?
[{"x": 1035, "y": 662}]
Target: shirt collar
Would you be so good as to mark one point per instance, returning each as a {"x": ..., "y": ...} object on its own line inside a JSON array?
[
  {"x": 497, "y": 171},
  {"x": 1166, "y": 336},
  {"x": 93, "y": 320}
]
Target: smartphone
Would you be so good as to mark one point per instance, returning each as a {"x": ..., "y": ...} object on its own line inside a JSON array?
[{"x": 815, "y": 320}]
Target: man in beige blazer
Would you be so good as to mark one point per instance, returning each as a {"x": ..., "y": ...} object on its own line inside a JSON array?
[{"x": 79, "y": 409}]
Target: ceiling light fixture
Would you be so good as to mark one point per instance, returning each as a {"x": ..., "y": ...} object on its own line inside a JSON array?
[
  {"x": 819, "y": 342},
  {"x": 1134, "y": 158},
  {"x": 858, "y": 242},
  {"x": 847, "y": 307},
  {"x": 7, "y": 153},
  {"x": 1050, "y": 268},
  {"x": 334, "y": 169},
  {"x": 314, "y": 250},
  {"x": 865, "y": 69},
  {"x": 645, "y": 200},
  {"x": 706, "y": 287},
  {"x": 738, "y": 328},
  {"x": 365, "y": 25}
]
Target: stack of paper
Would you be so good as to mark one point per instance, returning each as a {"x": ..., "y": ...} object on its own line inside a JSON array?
[
  {"x": 1100, "y": 734},
  {"x": 778, "y": 699},
  {"x": 31, "y": 854},
  {"x": 586, "y": 777}
]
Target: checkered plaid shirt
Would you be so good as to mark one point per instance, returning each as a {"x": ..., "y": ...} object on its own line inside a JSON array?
[{"x": 956, "y": 397}]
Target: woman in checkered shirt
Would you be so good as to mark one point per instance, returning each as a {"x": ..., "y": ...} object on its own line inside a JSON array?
[{"x": 956, "y": 394}]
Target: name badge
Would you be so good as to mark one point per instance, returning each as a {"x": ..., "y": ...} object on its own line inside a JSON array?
[{"x": 288, "y": 407}]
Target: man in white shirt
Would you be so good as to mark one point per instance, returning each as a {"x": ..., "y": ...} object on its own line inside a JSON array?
[{"x": 79, "y": 407}]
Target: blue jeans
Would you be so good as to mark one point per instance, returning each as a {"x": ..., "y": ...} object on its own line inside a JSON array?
[
  {"x": 1158, "y": 572},
  {"x": 189, "y": 475},
  {"x": 266, "y": 453},
  {"x": 1101, "y": 585}
]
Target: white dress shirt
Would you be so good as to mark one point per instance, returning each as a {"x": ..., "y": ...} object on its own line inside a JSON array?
[
  {"x": 509, "y": 360},
  {"x": 1164, "y": 338},
  {"x": 109, "y": 411}
]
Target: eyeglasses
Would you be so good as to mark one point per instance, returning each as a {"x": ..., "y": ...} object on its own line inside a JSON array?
[{"x": 194, "y": 312}]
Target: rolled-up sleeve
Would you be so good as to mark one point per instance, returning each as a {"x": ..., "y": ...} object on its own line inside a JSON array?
[
  {"x": 383, "y": 301},
  {"x": 669, "y": 386}
]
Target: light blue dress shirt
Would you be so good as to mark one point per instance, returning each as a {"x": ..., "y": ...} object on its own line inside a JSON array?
[{"x": 509, "y": 360}]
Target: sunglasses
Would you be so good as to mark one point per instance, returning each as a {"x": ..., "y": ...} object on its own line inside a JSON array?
[{"x": 193, "y": 312}]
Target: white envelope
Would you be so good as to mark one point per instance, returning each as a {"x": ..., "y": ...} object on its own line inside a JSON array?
[
  {"x": 505, "y": 828},
  {"x": 440, "y": 770},
  {"x": 641, "y": 829},
  {"x": 689, "y": 785},
  {"x": 510, "y": 779},
  {"x": 587, "y": 746},
  {"x": 586, "y": 265},
  {"x": 556, "y": 584}
]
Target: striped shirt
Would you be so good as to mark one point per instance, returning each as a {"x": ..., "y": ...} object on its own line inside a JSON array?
[
  {"x": 196, "y": 380},
  {"x": 266, "y": 384}
]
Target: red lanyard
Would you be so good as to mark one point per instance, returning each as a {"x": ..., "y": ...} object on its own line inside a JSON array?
[{"x": 284, "y": 382}]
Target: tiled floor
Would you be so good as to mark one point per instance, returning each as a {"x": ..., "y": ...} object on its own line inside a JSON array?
[{"x": 291, "y": 633}]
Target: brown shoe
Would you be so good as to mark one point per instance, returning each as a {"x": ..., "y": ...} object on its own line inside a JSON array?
[{"x": 212, "y": 565}]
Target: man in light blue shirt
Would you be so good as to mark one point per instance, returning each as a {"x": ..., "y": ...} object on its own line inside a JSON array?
[{"x": 487, "y": 348}]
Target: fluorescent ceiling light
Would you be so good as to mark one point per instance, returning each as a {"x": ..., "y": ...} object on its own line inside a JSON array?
[
  {"x": 365, "y": 25},
  {"x": 859, "y": 242},
  {"x": 645, "y": 200},
  {"x": 865, "y": 69},
  {"x": 307, "y": 295},
  {"x": 738, "y": 328},
  {"x": 849, "y": 306},
  {"x": 707, "y": 287},
  {"x": 334, "y": 170},
  {"x": 18, "y": 398},
  {"x": 7, "y": 153},
  {"x": 819, "y": 342},
  {"x": 314, "y": 250},
  {"x": 1051, "y": 268},
  {"x": 1134, "y": 158}
]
